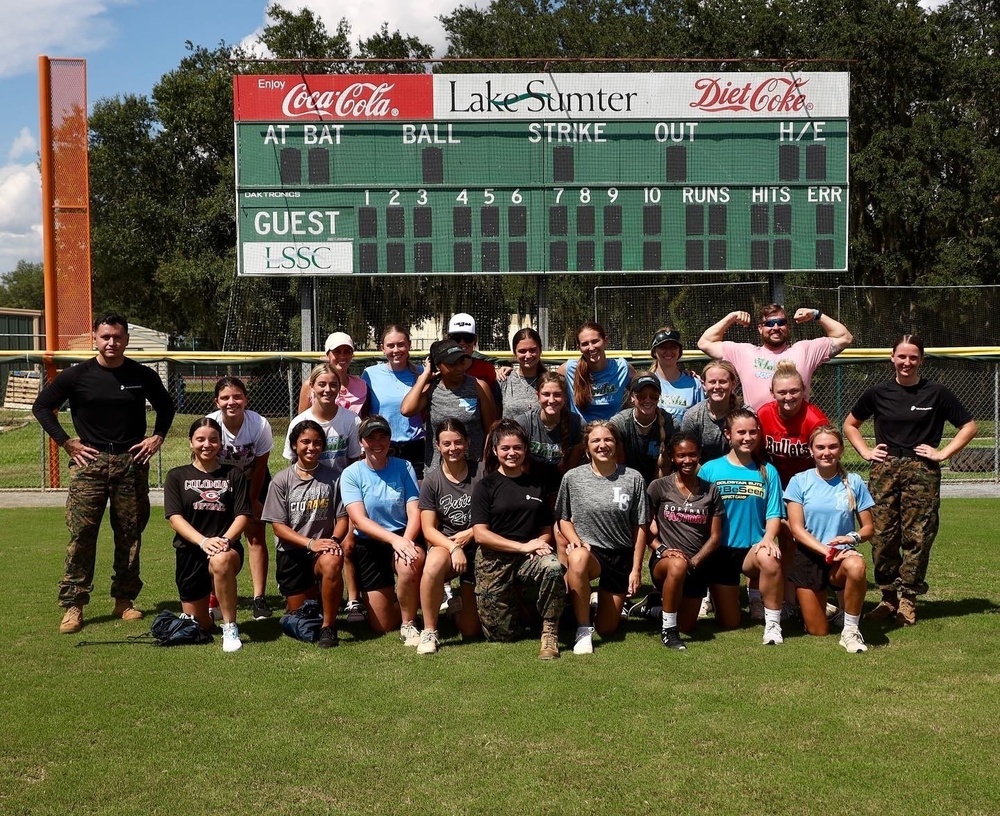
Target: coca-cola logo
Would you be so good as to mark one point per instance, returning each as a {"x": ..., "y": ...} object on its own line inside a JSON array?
[
  {"x": 772, "y": 95},
  {"x": 361, "y": 100}
]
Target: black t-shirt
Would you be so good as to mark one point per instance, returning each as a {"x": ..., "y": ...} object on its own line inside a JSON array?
[
  {"x": 207, "y": 501},
  {"x": 910, "y": 415},
  {"x": 107, "y": 404},
  {"x": 512, "y": 508}
]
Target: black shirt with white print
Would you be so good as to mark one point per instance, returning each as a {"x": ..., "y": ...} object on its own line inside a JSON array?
[
  {"x": 207, "y": 501},
  {"x": 513, "y": 508}
]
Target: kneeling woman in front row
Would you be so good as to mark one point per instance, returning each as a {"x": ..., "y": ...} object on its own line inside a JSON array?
[
  {"x": 301, "y": 506},
  {"x": 822, "y": 505},
  {"x": 602, "y": 513},
  {"x": 513, "y": 528},
  {"x": 380, "y": 494},
  {"x": 208, "y": 506}
]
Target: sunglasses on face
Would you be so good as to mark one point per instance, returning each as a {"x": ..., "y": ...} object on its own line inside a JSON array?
[
  {"x": 771, "y": 322},
  {"x": 463, "y": 338}
]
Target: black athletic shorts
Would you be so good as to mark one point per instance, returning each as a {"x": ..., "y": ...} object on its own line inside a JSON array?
[
  {"x": 810, "y": 570},
  {"x": 725, "y": 566},
  {"x": 191, "y": 574},
  {"x": 294, "y": 571},
  {"x": 412, "y": 452},
  {"x": 695, "y": 582},
  {"x": 615, "y": 568},
  {"x": 373, "y": 563},
  {"x": 469, "y": 576}
]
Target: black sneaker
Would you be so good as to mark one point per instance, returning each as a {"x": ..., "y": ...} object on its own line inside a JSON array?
[
  {"x": 671, "y": 638},
  {"x": 328, "y": 638},
  {"x": 260, "y": 609}
]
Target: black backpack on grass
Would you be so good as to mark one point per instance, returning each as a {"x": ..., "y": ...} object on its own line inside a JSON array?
[
  {"x": 304, "y": 623},
  {"x": 169, "y": 629}
]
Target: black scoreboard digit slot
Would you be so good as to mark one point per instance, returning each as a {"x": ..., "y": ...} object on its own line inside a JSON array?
[
  {"x": 319, "y": 165},
  {"x": 489, "y": 221},
  {"x": 490, "y": 256},
  {"x": 788, "y": 163},
  {"x": 395, "y": 222},
  {"x": 395, "y": 258},
  {"x": 759, "y": 221},
  {"x": 782, "y": 219},
  {"x": 652, "y": 219},
  {"x": 558, "y": 256},
  {"x": 694, "y": 255},
  {"x": 432, "y": 161},
  {"x": 562, "y": 164},
  {"x": 585, "y": 220},
  {"x": 716, "y": 219},
  {"x": 423, "y": 226},
  {"x": 760, "y": 255},
  {"x": 824, "y": 254},
  {"x": 783, "y": 254},
  {"x": 368, "y": 259},
  {"x": 716, "y": 254},
  {"x": 694, "y": 222},
  {"x": 816, "y": 162},
  {"x": 651, "y": 255},
  {"x": 461, "y": 222},
  {"x": 676, "y": 161},
  {"x": 290, "y": 165},
  {"x": 517, "y": 256},
  {"x": 585, "y": 256},
  {"x": 517, "y": 222},
  {"x": 613, "y": 220},
  {"x": 558, "y": 221},
  {"x": 612, "y": 256},
  {"x": 423, "y": 258},
  {"x": 824, "y": 219},
  {"x": 367, "y": 222},
  {"x": 463, "y": 258}
]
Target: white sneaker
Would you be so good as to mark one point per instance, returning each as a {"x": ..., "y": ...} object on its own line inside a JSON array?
[
  {"x": 409, "y": 634},
  {"x": 428, "y": 642},
  {"x": 231, "y": 638},
  {"x": 584, "y": 640},
  {"x": 757, "y": 610},
  {"x": 449, "y": 593},
  {"x": 772, "y": 634},
  {"x": 851, "y": 640},
  {"x": 707, "y": 609}
]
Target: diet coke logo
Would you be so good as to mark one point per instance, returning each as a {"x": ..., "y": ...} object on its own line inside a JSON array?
[
  {"x": 772, "y": 95},
  {"x": 358, "y": 100}
]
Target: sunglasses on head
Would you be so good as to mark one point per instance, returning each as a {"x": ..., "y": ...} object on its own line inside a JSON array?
[
  {"x": 771, "y": 322},
  {"x": 463, "y": 337}
]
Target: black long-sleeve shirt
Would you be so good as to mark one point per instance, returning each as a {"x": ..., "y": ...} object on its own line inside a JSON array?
[{"x": 108, "y": 405}]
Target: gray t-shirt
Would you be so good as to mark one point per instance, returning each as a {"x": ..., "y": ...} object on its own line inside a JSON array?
[
  {"x": 545, "y": 446},
  {"x": 642, "y": 448},
  {"x": 308, "y": 506},
  {"x": 462, "y": 404},
  {"x": 605, "y": 511},
  {"x": 699, "y": 421},
  {"x": 452, "y": 502},
  {"x": 684, "y": 522},
  {"x": 518, "y": 395}
]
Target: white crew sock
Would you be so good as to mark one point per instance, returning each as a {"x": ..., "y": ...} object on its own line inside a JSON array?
[
  {"x": 851, "y": 621},
  {"x": 772, "y": 616},
  {"x": 669, "y": 620}
]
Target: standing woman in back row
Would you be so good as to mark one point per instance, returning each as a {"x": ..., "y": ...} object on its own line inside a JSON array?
[
  {"x": 597, "y": 383},
  {"x": 909, "y": 413},
  {"x": 518, "y": 392}
]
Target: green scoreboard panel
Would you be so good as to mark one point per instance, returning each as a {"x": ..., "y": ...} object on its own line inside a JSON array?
[{"x": 541, "y": 173}]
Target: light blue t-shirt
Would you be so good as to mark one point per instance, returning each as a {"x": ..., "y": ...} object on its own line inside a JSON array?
[
  {"x": 385, "y": 492},
  {"x": 824, "y": 503},
  {"x": 677, "y": 397},
  {"x": 387, "y": 389},
  {"x": 749, "y": 500},
  {"x": 608, "y": 389}
]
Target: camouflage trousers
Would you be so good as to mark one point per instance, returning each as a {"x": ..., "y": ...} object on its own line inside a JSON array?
[
  {"x": 117, "y": 478},
  {"x": 907, "y": 494},
  {"x": 499, "y": 579}
]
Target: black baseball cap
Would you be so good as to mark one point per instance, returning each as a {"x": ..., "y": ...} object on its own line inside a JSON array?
[
  {"x": 447, "y": 352},
  {"x": 372, "y": 425},
  {"x": 667, "y": 336},
  {"x": 642, "y": 381}
]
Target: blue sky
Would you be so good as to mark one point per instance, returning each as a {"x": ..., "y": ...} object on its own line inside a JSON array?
[{"x": 129, "y": 45}]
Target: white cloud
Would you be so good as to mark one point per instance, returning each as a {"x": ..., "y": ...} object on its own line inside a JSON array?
[
  {"x": 20, "y": 215},
  {"x": 73, "y": 27},
  {"x": 24, "y": 145}
]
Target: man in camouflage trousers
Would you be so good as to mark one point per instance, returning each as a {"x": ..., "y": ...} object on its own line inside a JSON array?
[
  {"x": 110, "y": 461},
  {"x": 500, "y": 578}
]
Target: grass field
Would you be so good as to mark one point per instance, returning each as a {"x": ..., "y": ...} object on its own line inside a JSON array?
[{"x": 727, "y": 727}]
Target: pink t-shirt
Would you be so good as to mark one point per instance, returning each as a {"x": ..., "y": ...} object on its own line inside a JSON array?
[
  {"x": 352, "y": 396},
  {"x": 755, "y": 365}
]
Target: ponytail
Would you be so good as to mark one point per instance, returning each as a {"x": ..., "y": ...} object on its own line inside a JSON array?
[
  {"x": 663, "y": 460},
  {"x": 583, "y": 380}
]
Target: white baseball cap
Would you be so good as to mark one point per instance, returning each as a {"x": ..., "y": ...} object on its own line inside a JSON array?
[
  {"x": 338, "y": 339},
  {"x": 462, "y": 323}
]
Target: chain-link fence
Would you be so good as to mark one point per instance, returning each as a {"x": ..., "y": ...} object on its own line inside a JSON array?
[{"x": 273, "y": 384}]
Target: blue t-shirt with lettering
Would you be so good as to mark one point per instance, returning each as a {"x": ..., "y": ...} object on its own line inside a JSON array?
[
  {"x": 750, "y": 501},
  {"x": 385, "y": 492},
  {"x": 608, "y": 389}
]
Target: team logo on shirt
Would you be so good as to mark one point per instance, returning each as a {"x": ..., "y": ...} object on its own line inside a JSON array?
[
  {"x": 210, "y": 492},
  {"x": 621, "y": 499},
  {"x": 469, "y": 405}
]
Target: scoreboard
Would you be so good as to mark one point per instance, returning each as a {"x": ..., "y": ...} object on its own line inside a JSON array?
[{"x": 541, "y": 173}]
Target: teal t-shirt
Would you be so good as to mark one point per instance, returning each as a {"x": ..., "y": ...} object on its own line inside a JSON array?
[{"x": 750, "y": 501}]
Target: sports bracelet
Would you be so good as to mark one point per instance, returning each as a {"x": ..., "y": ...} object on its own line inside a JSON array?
[
  {"x": 309, "y": 544},
  {"x": 817, "y": 314},
  {"x": 855, "y": 536}
]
